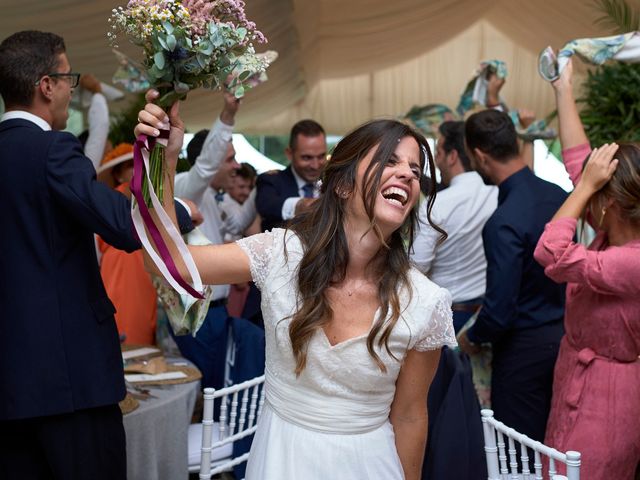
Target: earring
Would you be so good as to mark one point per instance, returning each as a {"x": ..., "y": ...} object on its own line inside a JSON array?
[
  {"x": 343, "y": 194},
  {"x": 604, "y": 212}
]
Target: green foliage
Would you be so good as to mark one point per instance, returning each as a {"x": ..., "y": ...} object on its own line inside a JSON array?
[
  {"x": 612, "y": 104},
  {"x": 617, "y": 15},
  {"x": 123, "y": 123},
  {"x": 272, "y": 146}
]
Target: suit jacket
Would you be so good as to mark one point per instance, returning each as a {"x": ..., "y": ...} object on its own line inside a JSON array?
[
  {"x": 455, "y": 445},
  {"x": 272, "y": 189},
  {"x": 58, "y": 338}
]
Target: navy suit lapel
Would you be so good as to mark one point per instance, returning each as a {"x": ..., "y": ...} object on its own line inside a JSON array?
[{"x": 291, "y": 183}]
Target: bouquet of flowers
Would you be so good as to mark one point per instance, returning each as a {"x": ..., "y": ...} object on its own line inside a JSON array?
[
  {"x": 186, "y": 44},
  {"x": 189, "y": 44}
]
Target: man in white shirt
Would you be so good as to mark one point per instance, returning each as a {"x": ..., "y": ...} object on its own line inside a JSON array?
[
  {"x": 458, "y": 264},
  {"x": 283, "y": 194},
  {"x": 214, "y": 165}
]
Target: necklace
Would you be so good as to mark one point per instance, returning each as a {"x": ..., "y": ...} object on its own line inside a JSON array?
[{"x": 355, "y": 289}]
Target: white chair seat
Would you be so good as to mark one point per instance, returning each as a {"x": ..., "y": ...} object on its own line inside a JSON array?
[{"x": 223, "y": 452}]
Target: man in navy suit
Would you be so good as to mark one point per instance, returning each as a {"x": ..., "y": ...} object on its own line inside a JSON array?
[
  {"x": 522, "y": 309},
  {"x": 61, "y": 371},
  {"x": 280, "y": 195}
]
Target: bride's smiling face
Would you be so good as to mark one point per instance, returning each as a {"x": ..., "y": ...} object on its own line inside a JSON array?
[{"x": 399, "y": 187}]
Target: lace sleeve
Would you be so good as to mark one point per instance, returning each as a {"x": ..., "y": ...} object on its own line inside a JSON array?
[
  {"x": 438, "y": 326},
  {"x": 259, "y": 248}
]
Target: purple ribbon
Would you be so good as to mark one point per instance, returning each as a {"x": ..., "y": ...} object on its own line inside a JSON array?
[{"x": 136, "y": 188}]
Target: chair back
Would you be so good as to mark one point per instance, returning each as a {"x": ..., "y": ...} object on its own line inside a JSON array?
[
  {"x": 240, "y": 407},
  {"x": 503, "y": 467}
]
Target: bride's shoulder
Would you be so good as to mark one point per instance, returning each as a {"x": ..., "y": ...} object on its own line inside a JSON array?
[
  {"x": 424, "y": 292},
  {"x": 289, "y": 239},
  {"x": 429, "y": 311},
  {"x": 419, "y": 281}
]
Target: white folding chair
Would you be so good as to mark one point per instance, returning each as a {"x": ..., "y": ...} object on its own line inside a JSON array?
[
  {"x": 496, "y": 451},
  {"x": 240, "y": 408}
]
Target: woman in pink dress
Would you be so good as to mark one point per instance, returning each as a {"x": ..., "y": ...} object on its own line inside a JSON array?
[{"x": 596, "y": 391}]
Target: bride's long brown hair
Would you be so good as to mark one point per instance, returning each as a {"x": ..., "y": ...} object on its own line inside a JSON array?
[{"x": 326, "y": 253}]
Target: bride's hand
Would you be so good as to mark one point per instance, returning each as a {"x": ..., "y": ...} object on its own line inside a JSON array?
[{"x": 153, "y": 119}]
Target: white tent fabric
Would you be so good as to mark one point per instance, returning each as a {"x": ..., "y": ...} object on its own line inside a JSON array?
[{"x": 343, "y": 62}]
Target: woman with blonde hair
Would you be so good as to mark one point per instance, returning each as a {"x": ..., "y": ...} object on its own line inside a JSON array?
[
  {"x": 595, "y": 406},
  {"x": 353, "y": 331}
]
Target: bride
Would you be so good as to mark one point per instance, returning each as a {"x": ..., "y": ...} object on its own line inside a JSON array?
[{"x": 353, "y": 331}]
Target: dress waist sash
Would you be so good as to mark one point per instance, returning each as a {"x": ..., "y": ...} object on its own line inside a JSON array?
[
  {"x": 323, "y": 412},
  {"x": 585, "y": 358}
]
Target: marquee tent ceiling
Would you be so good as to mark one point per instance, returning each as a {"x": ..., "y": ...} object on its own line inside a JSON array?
[{"x": 343, "y": 62}]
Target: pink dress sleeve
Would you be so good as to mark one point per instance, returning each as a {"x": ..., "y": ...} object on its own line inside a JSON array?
[
  {"x": 612, "y": 271},
  {"x": 573, "y": 159}
]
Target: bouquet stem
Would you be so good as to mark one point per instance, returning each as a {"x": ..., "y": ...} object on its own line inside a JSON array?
[
  {"x": 156, "y": 174},
  {"x": 168, "y": 96}
]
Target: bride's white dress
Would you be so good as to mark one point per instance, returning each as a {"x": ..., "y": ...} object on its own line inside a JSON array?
[{"x": 331, "y": 422}]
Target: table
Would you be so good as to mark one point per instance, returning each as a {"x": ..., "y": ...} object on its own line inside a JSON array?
[{"x": 157, "y": 432}]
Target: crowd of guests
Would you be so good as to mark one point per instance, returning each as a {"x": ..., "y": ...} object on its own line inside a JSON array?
[{"x": 562, "y": 319}]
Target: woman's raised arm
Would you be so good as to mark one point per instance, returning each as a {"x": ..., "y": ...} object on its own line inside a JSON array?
[
  {"x": 574, "y": 141},
  {"x": 572, "y": 132},
  {"x": 217, "y": 264}
]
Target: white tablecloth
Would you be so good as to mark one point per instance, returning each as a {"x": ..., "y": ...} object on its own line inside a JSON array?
[{"x": 157, "y": 433}]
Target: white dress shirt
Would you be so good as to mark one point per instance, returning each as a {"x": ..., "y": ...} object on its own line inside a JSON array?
[
  {"x": 458, "y": 264},
  {"x": 21, "y": 114},
  {"x": 195, "y": 182},
  {"x": 194, "y": 185},
  {"x": 289, "y": 205}
]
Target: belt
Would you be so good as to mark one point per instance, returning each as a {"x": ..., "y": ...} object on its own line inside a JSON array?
[
  {"x": 466, "y": 307},
  {"x": 221, "y": 302},
  {"x": 586, "y": 357}
]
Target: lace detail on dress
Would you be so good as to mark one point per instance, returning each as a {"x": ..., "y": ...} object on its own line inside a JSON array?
[
  {"x": 259, "y": 248},
  {"x": 439, "y": 327}
]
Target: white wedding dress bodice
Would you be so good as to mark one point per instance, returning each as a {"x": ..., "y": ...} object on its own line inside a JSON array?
[{"x": 333, "y": 418}]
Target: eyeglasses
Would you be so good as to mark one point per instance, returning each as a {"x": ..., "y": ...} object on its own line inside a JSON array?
[{"x": 74, "y": 78}]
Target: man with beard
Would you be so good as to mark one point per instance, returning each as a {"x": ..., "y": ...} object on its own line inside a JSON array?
[
  {"x": 282, "y": 194},
  {"x": 522, "y": 311},
  {"x": 461, "y": 209}
]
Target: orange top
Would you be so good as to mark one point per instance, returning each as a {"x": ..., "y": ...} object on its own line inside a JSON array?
[{"x": 130, "y": 289}]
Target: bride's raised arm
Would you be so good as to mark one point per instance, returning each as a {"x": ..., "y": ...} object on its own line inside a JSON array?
[{"x": 217, "y": 264}]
